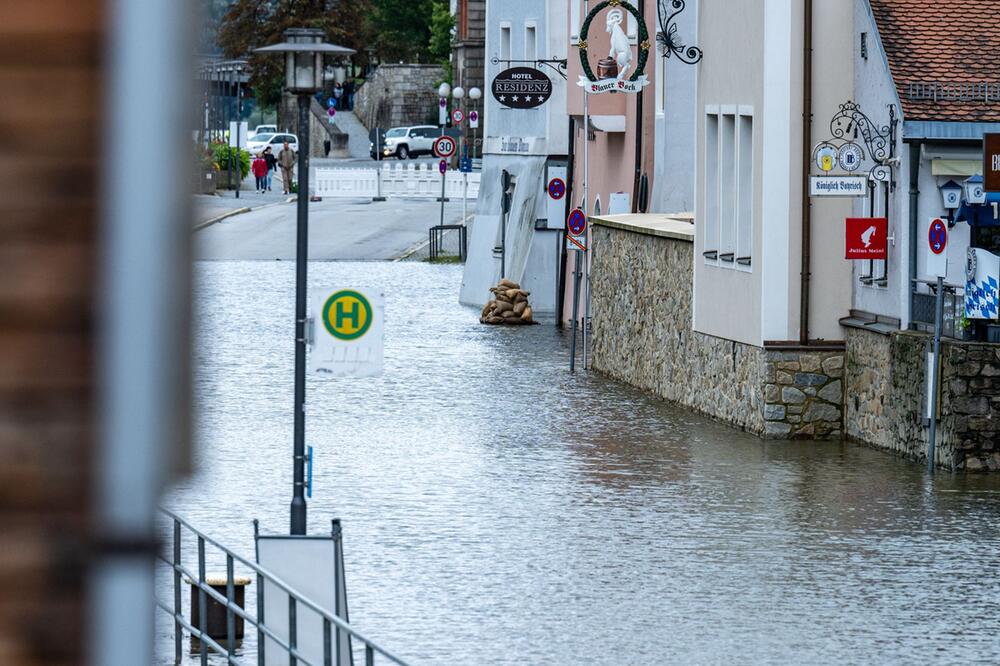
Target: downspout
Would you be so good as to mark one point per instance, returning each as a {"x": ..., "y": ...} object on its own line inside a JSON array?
[
  {"x": 561, "y": 278},
  {"x": 915, "y": 150},
  {"x": 638, "y": 130},
  {"x": 806, "y": 160}
]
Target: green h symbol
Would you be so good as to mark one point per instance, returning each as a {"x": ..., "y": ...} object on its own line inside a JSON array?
[{"x": 354, "y": 315}]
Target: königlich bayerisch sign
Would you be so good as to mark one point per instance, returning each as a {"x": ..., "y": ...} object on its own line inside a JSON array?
[{"x": 521, "y": 88}]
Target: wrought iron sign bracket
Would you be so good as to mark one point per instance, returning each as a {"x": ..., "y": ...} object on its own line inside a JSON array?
[
  {"x": 850, "y": 124},
  {"x": 557, "y": 65},
  {"x": 667, "y": 39}
]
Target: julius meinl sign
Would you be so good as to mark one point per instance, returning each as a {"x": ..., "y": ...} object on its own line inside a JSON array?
[{"x": 521, "y": 88}]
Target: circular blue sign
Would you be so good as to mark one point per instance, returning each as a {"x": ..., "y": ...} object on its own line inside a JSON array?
[
  {"x": 577, "y": 222},
  {"x": 557, "y": 188},
  {"x": 937, "y": 237}
]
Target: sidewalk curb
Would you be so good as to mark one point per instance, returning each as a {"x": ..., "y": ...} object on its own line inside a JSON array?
[{"x": 239, "y": 211}]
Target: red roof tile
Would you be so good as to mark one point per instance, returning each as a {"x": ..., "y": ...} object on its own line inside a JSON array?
[{"x": 931, "y": 45}]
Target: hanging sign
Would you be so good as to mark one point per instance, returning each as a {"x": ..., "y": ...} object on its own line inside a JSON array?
[
  {"x": 348, "y": 334},
  {"x": 838, "y": 186},
  {"x": 521, "y": 88},
  {"x": 866, "y": 238},
  {"x": 474, "y": 119},
  {"x": 618, "y": 72},
  {"x": 982, "y": 286},
  {"x": 991, "y": 162},
  {"x": 850, "y": 156}
]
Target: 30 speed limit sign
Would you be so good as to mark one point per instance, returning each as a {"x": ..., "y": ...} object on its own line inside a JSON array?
[{"x": 445, "y": 146}]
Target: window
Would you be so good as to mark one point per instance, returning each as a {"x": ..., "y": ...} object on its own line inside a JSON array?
[
  {"x": 530, "y": 45},
  {"x": 505, "y": 41},
  {"x": 728, "y": 210}
]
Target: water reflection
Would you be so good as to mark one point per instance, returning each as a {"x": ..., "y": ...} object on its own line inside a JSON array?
[{"x": 498, "y": 510}]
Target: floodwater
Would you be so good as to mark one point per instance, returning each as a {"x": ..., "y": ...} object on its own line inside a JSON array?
[{"x": 499, "y": 510}]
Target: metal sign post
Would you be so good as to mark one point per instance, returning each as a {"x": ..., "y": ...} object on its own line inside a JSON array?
[
  {"x": 444, "y": 147},
  {"x": 937, "y": 245}
]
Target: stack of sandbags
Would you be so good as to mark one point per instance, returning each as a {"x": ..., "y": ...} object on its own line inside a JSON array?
[{"x": 508, "y": 306}]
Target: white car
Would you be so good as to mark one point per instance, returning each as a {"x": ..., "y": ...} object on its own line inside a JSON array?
[
  {"x": 264, "y": 129},
  {"x": 276, "y": 141},
  {"x": 404, "y": 142}
]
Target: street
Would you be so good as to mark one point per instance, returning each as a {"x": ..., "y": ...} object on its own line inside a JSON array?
[{"x": 339, "y": 229}]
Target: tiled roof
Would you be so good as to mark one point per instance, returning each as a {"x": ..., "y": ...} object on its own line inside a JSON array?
[{"x": 932, "y": 45}]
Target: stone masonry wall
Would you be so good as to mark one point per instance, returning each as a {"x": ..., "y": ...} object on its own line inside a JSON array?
[
  {"x": 886, "y": 379},
  {"x": 804, "y": 394},
  {"x": 399, "y": 95}
]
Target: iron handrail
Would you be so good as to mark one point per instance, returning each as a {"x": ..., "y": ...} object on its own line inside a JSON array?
[{"x": 262, "y": 574}]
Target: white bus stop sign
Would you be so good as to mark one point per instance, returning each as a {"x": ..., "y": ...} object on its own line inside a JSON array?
[{"x": 348, "y": 334}]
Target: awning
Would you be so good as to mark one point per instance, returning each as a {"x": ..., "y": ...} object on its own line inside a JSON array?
[
  {"x": 953, "y": 160},
  {"x": 608, "y": 123}
]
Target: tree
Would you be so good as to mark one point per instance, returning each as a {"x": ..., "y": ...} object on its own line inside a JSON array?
[
  {"x": 403, "y": 29},
  {"x": 250, "y": 24},
  {"x": 442, "y": 32}
]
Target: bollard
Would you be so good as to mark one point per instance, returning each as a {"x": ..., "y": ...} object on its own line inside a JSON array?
[{"x": 216, "y": 621}]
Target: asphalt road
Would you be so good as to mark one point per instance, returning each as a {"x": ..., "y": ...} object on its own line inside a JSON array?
[{"x": 339, "y": 230}]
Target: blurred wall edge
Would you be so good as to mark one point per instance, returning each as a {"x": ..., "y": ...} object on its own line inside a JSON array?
[{"x": 94, "y": 322}]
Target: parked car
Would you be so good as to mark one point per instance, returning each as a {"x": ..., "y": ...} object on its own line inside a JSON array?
[
  {"x": 406, "y": 142},
  {"x": 262, "y": 141},
  {"x": 264, "y": 129}
]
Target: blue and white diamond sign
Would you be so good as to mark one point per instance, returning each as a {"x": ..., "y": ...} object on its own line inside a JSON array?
[{"x": 982, "y": 287}]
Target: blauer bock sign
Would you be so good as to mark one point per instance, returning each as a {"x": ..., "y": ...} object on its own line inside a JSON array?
[{"x": 521, "y": 88}]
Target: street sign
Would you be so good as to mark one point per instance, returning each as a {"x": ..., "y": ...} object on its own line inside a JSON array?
[
  {"x": 937, "y": 236},
  {"x": 937, "y": 243},
  {"x": 443, "y": 167},
  {"x": 838, "y": 186},
  {"x": 557, "y": 188},
  {"x": 457, "y": 116},
  {"x": 991, "y": 162},
  {"x": 444, "y": 146},
  {"x": 577, "y": 222},
  {"x": 474, "y": 119},
  {"x": 331, "y": 112},
  {"x": 866, "y": 238},
  {"x": 465, "y": 165},
  {"x": 348, "y": 334}
]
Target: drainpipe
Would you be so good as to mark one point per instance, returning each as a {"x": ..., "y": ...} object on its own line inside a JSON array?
[
  {"x": 915, "y": 150},
  {"x": 806, "y": 160},
  {"x": 638, "y": 131},
  {"x": 561, "y": 278}
]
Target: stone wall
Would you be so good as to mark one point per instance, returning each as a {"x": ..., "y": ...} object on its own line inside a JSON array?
[
  {"x": 399, "y": 95},
  {"x": 886, "y": 379},
  {"x": 320, "y": 129},
  {"x": 641, "y": 290}
]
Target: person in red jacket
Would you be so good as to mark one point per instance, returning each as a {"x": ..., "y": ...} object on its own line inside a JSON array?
[{"x": 259, "y": 170}]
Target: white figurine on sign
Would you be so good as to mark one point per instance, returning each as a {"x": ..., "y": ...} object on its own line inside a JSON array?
[{"x": 621, "y": 52}]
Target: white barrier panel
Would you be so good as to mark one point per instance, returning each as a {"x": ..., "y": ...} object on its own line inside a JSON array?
[{"x": 398, "y": 180}]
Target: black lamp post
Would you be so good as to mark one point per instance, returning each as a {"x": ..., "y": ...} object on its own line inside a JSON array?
[{"x": 304, "y": 50}]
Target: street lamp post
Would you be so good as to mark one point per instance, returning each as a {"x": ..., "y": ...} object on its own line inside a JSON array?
[
  {"x": 474, "y": 95},
  {"x": 304, "y": 50}
]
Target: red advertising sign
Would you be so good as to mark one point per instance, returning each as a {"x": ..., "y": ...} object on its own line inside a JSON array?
[{"x": 867, "y": 238}]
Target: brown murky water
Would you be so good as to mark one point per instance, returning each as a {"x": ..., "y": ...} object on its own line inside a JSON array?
[{"x": 498, "y": 510}]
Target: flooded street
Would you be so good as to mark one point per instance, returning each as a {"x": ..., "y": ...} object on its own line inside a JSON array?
[{"x": 499, "y": 510}]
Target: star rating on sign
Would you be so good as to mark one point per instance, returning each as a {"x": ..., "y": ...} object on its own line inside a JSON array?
[
  {"x": 527, "y": 98},
  {"x": 515, "y": 98},
  {"x": 503, "y": 98}
]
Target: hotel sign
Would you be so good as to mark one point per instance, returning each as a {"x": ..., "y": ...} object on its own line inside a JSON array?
[
  {"x": 838, "y": 186},
  {"x": 991, "y": 162},
  {"x": 521, "y": 88}
]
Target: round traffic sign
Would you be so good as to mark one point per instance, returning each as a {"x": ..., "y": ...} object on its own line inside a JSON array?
[
  {"x": 457, "y": 116},
  {"x": 443, "y": 166},
  {"x": 473, "y": 116},
  {"x": 347, "y": 315},
  {"x": 557, "y": 188},
  {"x": 937, "y": 236},
  {"x": 577, "y": 222},
  {"x": 444, "y": 146}
]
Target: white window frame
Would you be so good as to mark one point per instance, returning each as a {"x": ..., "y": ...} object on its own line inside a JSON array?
[
  {"x": 505, "y": 40},
  {"x": 729, "y": 186},
  {"x": 531, "y": 44}
]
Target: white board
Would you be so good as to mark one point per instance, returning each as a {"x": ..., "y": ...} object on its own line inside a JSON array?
[
  {"x": 314, "y": 567},
  {"x": 357, "y": 316}
]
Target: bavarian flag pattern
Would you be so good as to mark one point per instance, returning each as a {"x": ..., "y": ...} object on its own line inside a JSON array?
[{"x": 982, "y": 292}]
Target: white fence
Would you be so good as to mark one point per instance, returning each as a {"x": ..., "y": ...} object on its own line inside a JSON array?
[{"x": 398, "y": 180}]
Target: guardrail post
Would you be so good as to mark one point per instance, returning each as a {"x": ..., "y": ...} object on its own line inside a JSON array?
[
  {"x": 260, "y": 619},
  {"x": 230, "y": 600},
  {"x": 327, "y": 649},
  {"x": 178, "y": 609},
  {"x": 292, "y": 631},
  {"x": 369, "y": 655},
  {"x": 202, "y": 604}
]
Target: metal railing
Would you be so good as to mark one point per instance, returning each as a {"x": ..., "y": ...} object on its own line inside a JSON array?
[
  {"x": 436, "y": 236},
  {"x": 923, "y": 307},
  {"x": 296, "y": 601}
]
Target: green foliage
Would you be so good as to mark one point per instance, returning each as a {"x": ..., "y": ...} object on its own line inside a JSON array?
[
  {"x": 403, "y": 29},
  {"x": 251, "y": 24},
  {"x": 442, "y": 27},
  {"x": 222, "y": 153}
]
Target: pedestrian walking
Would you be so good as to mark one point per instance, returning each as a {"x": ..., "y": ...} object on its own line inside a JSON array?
[
  {"x": 259, "y": 170},
  {"x": 286, "y": 160},
  {"x": 349, "y": 90},
  {"x": 272, "y": 166},
  {"x": 338, "y": 94}
]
